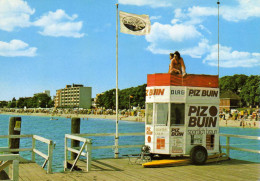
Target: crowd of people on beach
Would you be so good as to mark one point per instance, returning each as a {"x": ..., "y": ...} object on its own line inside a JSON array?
[
  {"x": 246, "y": 118},
  {"x": 76, "y": 111}
]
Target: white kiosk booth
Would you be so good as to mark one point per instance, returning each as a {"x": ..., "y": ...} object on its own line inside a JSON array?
[{"x": 182, "y": 116}]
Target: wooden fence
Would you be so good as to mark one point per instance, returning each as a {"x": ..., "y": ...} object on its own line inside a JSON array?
[
  {"x": 87, "y": 145},
  {"x": 48, "y": 158},
  {"x": 7, "y": 160}
]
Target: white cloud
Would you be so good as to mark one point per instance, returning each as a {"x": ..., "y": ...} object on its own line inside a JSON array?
[
  {"x": 231, "y": 58},
  {"x": 151, "y": 3},
  {"x": 228, "y": 58},
  {"x": 194, "y": 15},
  {"x": 59, "y": 24},
  {"x": 165, "y": 34},
  {"x": 155, "y": 17},
  {"x": 197, "y": 11},
  {"x": 245, "y": 10},
  {"x": 16, "y": 48},
  {"x": 152, "y": 48},
  {"x": 14, "y": 13},
  {"x": 197, "y": 51},
  {"x": 187, "y": 28},
  {"x": 204, "y": 29},
  {"x": 176, "y": 32}
]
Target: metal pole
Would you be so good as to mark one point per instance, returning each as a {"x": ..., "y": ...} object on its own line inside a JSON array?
[
  {"x": 218, "y": 37},
  {"x": 129, "y": 103},
  {"x": 116, "y": 138}
]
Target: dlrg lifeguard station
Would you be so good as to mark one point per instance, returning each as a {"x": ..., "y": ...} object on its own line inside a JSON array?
[{"x": 182, "y": 115}]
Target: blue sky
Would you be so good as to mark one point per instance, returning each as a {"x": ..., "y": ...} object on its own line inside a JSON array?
[{"x": 46, "y": 44}]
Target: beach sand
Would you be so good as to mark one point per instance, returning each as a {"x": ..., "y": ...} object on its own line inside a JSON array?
[{"x": 222, "y": 123}]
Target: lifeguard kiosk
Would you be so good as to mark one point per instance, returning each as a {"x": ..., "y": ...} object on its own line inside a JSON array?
[{"x": 182, "y": 116}]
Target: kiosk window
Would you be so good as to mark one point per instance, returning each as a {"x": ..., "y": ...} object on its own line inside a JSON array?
[
  {"x": 177, "y": 114},
  {"x": 162, "y": 113},
  {"x": 149, "y": 112}
]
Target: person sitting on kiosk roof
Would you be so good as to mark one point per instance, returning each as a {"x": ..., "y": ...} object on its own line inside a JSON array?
[{"x": 177, "y": 64}]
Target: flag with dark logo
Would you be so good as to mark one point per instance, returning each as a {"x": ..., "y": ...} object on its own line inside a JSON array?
[{"x": 134, "y": 24}]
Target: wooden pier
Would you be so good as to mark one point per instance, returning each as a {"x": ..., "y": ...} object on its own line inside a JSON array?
[
  {"x": 121, "y": 169},
  {"x": 118, "y": 169}
]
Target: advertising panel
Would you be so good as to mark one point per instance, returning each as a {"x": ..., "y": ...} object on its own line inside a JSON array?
[
  {"x": 202, "y": 125},
  {"x": 177, "y": 140},
  {"x": 178, "y": 94},
  {"x": 202, "y": 95},
  {"x": 158, "y": 94},
  {"x": 161, "y": 139}
]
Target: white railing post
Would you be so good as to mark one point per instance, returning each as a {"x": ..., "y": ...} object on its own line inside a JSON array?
[
  {"x": 88, "y": 149},
  {"x": 227, "y": 143},
  {"x": 15, "y": 174},
  {"x": 33, "y": 147},
  {"x": 9, "y": 159},
  {"x": 65, "y": 154},
  {"x": 50, "y": 157}
]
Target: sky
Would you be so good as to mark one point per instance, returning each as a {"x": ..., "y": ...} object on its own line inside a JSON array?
[{"x": 48, "y": 44}]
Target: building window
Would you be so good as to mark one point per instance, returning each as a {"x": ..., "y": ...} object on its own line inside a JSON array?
[
  {"x": 162, "y": 114},
  {"x": 149, "y": 113},
  {"x": 177, "y": 114}
]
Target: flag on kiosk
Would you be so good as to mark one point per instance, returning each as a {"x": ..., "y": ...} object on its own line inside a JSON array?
[{"x": 134, "y": 24}]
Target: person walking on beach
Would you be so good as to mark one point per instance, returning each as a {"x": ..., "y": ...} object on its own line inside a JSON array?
[{"x": 177, "y": 64}]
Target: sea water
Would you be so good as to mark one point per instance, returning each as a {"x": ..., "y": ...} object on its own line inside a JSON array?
[{"x": 56, "y": 129}]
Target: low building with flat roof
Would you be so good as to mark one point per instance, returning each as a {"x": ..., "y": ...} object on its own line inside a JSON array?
[{"x": 229, "y": 100}]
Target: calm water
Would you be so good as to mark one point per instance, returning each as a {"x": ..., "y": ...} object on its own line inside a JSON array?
[{"x": 56, "y": 130}]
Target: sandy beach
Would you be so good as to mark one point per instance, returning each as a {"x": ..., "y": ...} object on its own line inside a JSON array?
[{"x": 223, "y": 123}]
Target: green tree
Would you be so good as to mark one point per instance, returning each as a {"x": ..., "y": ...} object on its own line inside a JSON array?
[
  {"x": 250, "y": 92},
  {"x": 41, "y": 100},
  {"x": 232, "y": 83},
  {"x": 3, "y": 104},
  {"x": 12, "y": 104},
  {"x": 21, "y": 102},
  {"x": 246, "y": 87},
  {"x": 108, "y": 98}
]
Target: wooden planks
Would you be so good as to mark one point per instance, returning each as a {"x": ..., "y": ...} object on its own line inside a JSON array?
[{"x": 119, "y": 169}]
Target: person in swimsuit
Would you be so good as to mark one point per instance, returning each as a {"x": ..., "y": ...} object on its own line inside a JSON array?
[{"x": 177, "y": 64}]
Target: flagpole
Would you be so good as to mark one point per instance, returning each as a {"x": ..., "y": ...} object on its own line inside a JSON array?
[
  {"x": 116, "y": 137},
  {"x": 218, "y": 37}
]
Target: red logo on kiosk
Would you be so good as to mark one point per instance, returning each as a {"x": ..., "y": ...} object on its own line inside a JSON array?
[
  {"x": 155, "y": 92},
  {"x": 148, "y": 131}
]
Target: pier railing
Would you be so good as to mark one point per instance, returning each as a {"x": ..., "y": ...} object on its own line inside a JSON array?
[
  {"x": 228, "y": 147},
  {"x": 8, "y": 159},
  {"x": 87, "y": 145},
  {"x": 48, "y": 158}
]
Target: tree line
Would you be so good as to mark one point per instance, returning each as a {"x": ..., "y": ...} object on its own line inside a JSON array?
[
  {"x": 38, "y": 100},
  {"x": 134, "y": 96},
  {"x": 246, "y": 87}
]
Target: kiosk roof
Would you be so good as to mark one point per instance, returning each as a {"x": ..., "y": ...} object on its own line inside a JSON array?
[{"x": 190, "y": 80}]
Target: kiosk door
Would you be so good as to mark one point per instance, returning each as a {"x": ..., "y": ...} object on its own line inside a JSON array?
[
  {"x": 161, "y": 128},
  {"x": 177, "y": 144}
]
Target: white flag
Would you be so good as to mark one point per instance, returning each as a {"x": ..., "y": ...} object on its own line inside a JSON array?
[{"x": 134, "y": 24}]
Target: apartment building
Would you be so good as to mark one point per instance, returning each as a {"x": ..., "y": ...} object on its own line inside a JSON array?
[{"x": 74, "y": 96}]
